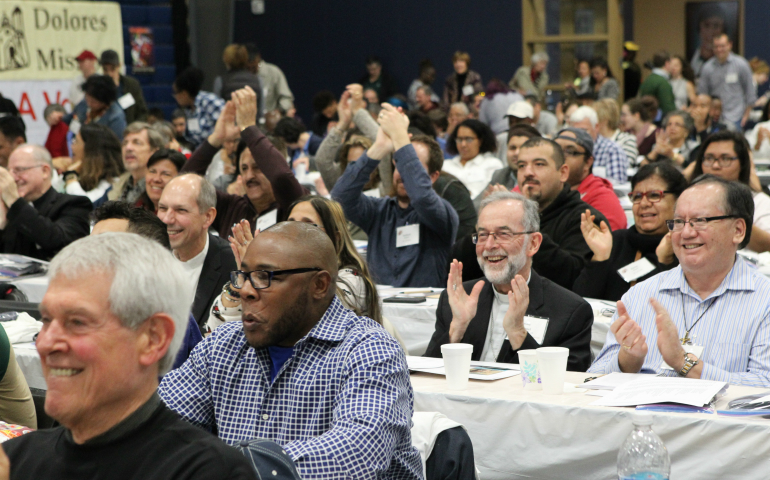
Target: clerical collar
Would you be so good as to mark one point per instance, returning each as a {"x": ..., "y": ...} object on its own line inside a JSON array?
[{"x": 124, "y": 427}]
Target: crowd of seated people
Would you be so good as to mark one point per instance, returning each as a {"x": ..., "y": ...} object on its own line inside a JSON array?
[{"x": 277, "y": 235}]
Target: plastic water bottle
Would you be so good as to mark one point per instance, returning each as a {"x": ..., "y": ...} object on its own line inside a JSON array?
[{"x": 643, "y": 455}]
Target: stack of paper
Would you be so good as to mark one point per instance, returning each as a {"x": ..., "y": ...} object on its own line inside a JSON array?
[
  {"x": 644, "y": 391},
  {"x": 478, "y": 371}
]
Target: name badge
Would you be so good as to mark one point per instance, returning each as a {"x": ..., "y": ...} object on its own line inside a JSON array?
[
  {"x": 599, "y": 171},
  {"x": 267, "y": 220},
  {"x": 731, "y": 78},
  {"x": 536, "y": 327},
  {"x": 408, "y": 235},
  {"x": 635, "y": 270},
  {"x": 126, "y": 101},
  {"x": 193, "y": 125},
  {"x": 373, "y": 193},
  {"x": 696, "y": 350},
  {"x": 468, "y": 90}
]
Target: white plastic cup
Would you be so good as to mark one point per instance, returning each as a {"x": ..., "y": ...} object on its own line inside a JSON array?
[
  {"x": 530, "y": 370},
  {"x": 457, "y": 364},
  {"x": 553, "y": 368}
]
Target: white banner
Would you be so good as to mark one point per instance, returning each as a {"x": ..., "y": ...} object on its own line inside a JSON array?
[
  {"x": 31, "y": 98},
  {"x": 39, "y": 40}
]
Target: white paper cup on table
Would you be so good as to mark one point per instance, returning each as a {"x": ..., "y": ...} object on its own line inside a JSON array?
[
  {"x": 530, "y": 371},
  {"x": 457, "y": 364},
  {"x": 553, "y": 368}
]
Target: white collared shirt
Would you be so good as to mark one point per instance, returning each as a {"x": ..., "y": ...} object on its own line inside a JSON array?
[{"x": 476, "y": 173}]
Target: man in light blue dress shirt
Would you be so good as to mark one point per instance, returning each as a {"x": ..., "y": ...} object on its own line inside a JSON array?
[{"x": 707, "y": 318}]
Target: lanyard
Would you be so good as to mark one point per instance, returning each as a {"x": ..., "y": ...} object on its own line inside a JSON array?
[{"x": 686, "y": 340}]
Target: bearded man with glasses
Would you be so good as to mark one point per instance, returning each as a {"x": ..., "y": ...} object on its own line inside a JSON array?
[
  {"x": 300, "y": 369},
  {"x": 512, "y": 308},
  {"x": 708, "y": 317}
]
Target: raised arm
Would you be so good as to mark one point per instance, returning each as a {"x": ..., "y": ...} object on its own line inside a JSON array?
[
  {"x": 269, "y": 160},
  {"x": 326, "y": 156},
  {"x": 225, "y": 127}
]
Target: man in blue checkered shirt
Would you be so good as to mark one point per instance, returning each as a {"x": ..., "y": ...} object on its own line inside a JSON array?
[
  {"x": 610, "y": 161},
  {"x": 201, "y": 108},
  {"x": 300, "y": 369}
]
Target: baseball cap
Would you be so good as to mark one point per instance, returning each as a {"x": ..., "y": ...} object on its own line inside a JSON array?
[
  {"x": 582, "y": 138},
  {"x": 110, "y": 57},
  {"x": 520, "y": 109},
  {"x": 85, "y": 55}
]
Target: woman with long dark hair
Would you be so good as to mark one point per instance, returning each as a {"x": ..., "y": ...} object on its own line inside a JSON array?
[{"x": 96, "y": 162}]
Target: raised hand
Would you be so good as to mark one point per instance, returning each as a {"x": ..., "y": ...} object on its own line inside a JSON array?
[
  {"x": 669, "y": 345},
  {"x": 225, "y": 125},
  {"x": 665, "y": 250},
  {"x": 245, "y": 100},
  {"x": 240, "y": 240},
  {"x": 357, "y": 101},
  {"x": 395, "y": 125},
  {"x": 633, "y": 344},
  {"x": 463, "y": 305},
  {"x": 599, "y": 239},
  {"x": 513, "y": 322},
  {"x": 8, "y": 189},
  {"x": 344, "y": 111}
]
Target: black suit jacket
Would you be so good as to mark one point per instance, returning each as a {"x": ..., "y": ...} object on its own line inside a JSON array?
[
  {"x": 570, "y": 320},
  {"x": 40, "y": 231},
  {"x": 217, "y": 266}
]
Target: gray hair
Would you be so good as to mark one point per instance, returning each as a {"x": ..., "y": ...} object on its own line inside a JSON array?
[
  {"x": 583, "y": 113},
  {"x": 146, "y": 279},
  {"x": 426, "y": 90},
  {"x": 531, "y": 220},
  {"x": 166, "y": 130},
  {"x": 39, "y": 154},
  {"x": 207, "y": 195},
  {"x": 540, "y": 57},
  {"x": 154, "y": 136},
  {"x": 461, "y": 106},
  {"x": 686, "y": 118}
]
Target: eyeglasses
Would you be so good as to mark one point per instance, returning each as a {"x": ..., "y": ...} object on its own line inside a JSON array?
[
  {"x": 724, "y": 160},
  {"x": 20, "y": 170},
  {"x": 500, "y": 237},
  {"x": 466, "y": 139},
  {"x": 653, "y": 196},
  {"x": 700, "y": 223},
  {"x": 261, "y": 279},
  {"x": 575, "y": 153}
]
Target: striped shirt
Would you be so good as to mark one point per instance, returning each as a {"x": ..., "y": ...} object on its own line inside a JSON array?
[{"x": 734, "y": 328}]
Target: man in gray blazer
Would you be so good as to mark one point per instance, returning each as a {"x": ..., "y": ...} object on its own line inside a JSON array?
[{"x": 512, "y": 308}]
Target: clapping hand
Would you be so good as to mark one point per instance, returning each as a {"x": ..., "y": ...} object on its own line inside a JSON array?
[
  {"x": 513, "y": 322},
  {"x": 8, "y": 189},
  {"x": 669, "y": 344},
  {"x": 662, "y": 145},
  {"x": 240, "y": 240},
  {"x": 599, "y": 239},
  {"x": 344, "y": 111},
  {"x": 463, "y": 305},
  {"x": 245, "y": 101},
  {"x": 357, "y": 101},
  {"x": 633, "y": 344},
  {"x": 225, "y": 126},
  {"x": 665, "y": 250},
  {"x": 395, "y": 124}
]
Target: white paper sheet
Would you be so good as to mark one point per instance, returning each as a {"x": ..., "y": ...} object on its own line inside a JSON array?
[
  {"x": 687, "y": 391},
  {"x": 611, "y": 381},
  {"x": 479, "y": 370}
]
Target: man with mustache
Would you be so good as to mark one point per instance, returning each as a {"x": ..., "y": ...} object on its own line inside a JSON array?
[
  {"x": 512, "y": 308},
  {"x": 300, "y": 369},
  {"x": 542, "y": 176}
]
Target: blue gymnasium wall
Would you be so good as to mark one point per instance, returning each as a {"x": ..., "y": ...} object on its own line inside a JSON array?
[
  {"x": 323, "y": 44},
  {"x": 756, "y": 35}
]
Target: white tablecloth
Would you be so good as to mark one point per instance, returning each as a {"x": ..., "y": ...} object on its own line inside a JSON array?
[
  {"x": 416, "y": 323},
  {"x": 530, "y": 435},
  {"x": 29, "y": 362}
]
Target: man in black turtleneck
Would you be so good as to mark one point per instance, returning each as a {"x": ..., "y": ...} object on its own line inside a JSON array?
[{"x": 542, "y": 176}]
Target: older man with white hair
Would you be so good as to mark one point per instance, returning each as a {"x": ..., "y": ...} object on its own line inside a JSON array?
[
  {"x": 35, "y": 219},
  {"x": 507, "y": 311},
  {"x": 610, "y": 161},
  {"x": 532, "y": 79},
  {"x": 111, "y": 328}
]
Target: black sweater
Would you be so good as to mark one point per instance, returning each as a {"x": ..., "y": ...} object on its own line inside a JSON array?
[
  {"x": 564, "y": 252},
  {"x": 602, "y": 280},
  {"x": 163, "y": 447}
]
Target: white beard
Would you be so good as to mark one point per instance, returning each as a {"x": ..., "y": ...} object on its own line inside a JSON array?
[{"x": 509, "y": 271}]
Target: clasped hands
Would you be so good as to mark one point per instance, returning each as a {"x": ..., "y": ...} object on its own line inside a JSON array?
[
  {"x": 633, "y": 343},
  {"x": 464, "y": 306},
  {"x": 239, "y": 112},
  {"x": 392, "y": 134}
]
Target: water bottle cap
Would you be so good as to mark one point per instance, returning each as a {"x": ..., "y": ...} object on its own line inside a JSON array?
[{"x": 641, "y": 418}]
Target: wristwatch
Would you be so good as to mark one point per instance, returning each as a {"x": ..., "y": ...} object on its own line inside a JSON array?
[
  {"x": 688, "y": 364},
  {"x": 70, "y": 174}
]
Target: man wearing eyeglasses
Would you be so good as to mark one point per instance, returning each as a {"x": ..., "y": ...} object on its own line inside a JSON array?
[
  {"x": 300, "y": 369},
  {"x": 35, "y": 219},
  {"x": 708, "y": 317},
  {"x": 578, "y": 149},
  {"x": 512, "y": 308}
]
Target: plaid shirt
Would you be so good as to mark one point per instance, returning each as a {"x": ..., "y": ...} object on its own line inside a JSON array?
[
  {"x": 610, "y": 155},
  {"x": 206, "y": 111},
  {"x": 341, "y": 406}
]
